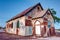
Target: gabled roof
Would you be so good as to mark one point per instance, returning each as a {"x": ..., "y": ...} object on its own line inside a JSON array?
[
  {"x": 25, "y": 12},
  {"x": 41, "y": 13}
]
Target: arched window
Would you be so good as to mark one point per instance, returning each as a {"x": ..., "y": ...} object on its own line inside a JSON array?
[
  {"x": 11, "y": 25},
  {"x": 49, "y": 24},
  {"x": 28, "y": 22},
  {"x": 37, "y": 22},
  {"x": 17, "y": 24},
  {"x": 7, "y": 25},
  {"x": 38, "y": 8}
]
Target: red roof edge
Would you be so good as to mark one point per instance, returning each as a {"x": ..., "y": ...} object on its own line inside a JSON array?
[{"x": 24, "y": 12}]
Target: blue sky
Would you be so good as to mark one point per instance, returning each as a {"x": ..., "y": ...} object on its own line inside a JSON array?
[{"x": 10, "y": 8}]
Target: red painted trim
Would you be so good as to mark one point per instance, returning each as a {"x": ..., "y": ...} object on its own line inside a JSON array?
[
  {"x": 17, "y": 31},
  {"x": 28, "y": 22}
]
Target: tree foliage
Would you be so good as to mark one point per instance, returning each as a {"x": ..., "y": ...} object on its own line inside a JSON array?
[
  {"x": 56, "y": 19},
  {"x": 0, "y": 27}
]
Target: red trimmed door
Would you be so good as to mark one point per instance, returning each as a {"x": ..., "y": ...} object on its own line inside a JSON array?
[{"x": 37, "y": 28}]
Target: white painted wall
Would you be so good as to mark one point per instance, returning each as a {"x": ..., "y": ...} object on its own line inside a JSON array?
[
  {"x": 14, "y": 27},
  {"x": 22, "y": 26},
  {"x": 28, "y": 30},
  {"x": 13, "y": 30},
  {"x": 21, "y": 32},
  {"x": 50, "y": 18}
]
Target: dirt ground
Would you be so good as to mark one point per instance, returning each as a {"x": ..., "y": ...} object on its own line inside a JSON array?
[{"x": 6, "y": 36}]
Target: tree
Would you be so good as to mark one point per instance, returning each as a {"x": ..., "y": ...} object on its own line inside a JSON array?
[
  {"x": 4, "y": 27},
  {"x": 0, "y": 27},
  {"x": 56, "y": 19}
]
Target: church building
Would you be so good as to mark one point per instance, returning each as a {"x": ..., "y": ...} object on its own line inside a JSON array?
[{"x": 34, "y": 21}]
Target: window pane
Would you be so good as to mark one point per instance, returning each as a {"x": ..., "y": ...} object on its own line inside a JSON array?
[
  {"x": 49, "y": 23},
  {"x": 48, "y": 26},
  {"x": 28, "y": 22},
  {"x": 17, "y": 24},
  {"x": 30, "y": 30}
]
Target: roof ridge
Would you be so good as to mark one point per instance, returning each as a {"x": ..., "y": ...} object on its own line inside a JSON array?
[{"x": 25, "y": 12}]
